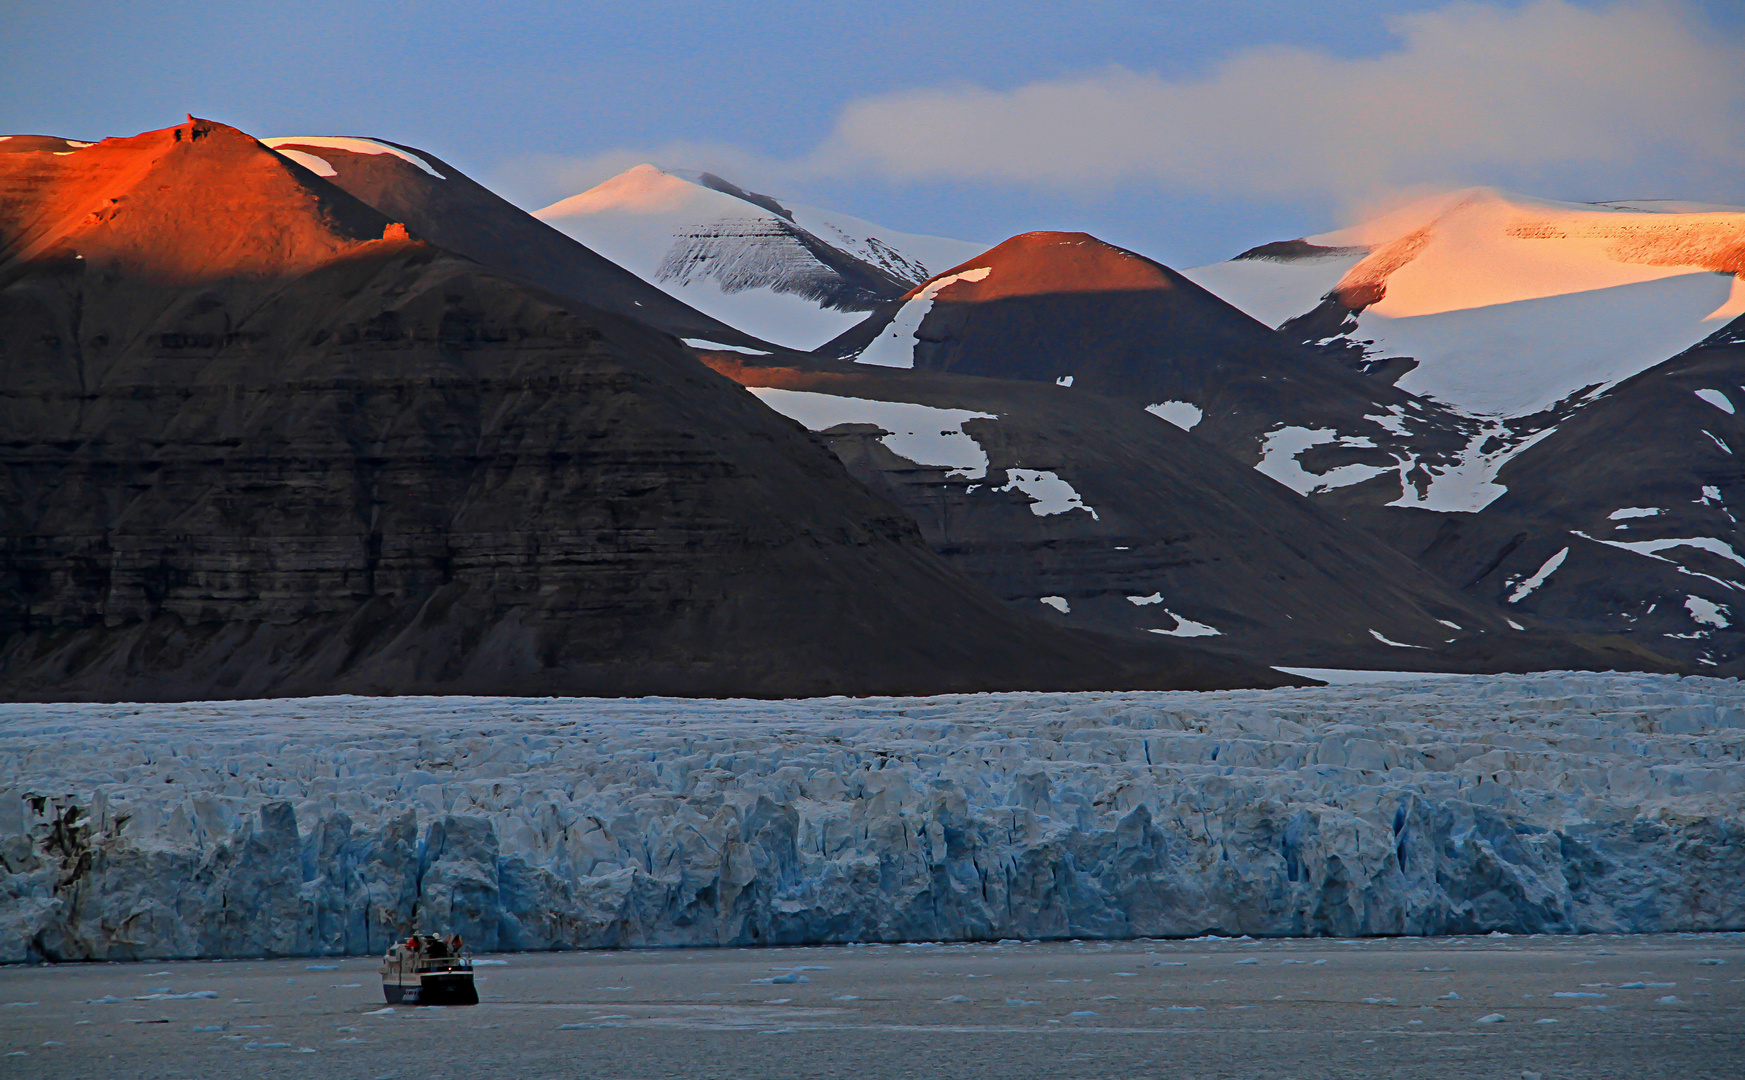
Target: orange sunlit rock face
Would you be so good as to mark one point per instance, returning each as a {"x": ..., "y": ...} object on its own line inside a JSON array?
[
  {"x": 198, "y": 201},
  {"x": 1036, "y": 263},
  {"x": 1482, "y": 248}
]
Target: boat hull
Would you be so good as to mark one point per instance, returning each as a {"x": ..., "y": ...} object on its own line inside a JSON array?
[{"x": 441, "y": 988}]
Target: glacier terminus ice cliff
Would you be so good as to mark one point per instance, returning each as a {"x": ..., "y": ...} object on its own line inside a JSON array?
[{"x": 1555, "y": 802}]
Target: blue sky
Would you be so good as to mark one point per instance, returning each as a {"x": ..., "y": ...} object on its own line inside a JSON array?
[{"x": 1186, "y": 131}]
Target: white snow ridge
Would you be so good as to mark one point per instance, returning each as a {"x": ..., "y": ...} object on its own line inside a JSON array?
[{"x": 1542, "y": 803}]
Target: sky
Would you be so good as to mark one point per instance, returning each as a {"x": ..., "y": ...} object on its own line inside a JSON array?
[{"x": 1186, "y": 131}]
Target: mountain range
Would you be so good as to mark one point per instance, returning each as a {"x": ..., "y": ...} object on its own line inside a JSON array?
[{"x": 320, "y": 414}]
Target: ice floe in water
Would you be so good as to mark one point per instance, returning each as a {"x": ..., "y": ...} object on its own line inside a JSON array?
[{"x": 1554, "y": 802}]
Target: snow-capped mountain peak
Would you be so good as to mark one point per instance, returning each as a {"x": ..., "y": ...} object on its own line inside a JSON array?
[
  {"x": 785, "y": 272},
  {"x": 1501, "y": 305}
]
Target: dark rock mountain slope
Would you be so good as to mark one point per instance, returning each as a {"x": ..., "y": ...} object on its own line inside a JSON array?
[
  {"x": 1054, "y": 307},
  {"x": 451, "y": 210},
  {"x": 1108, "y": 518},
  {"x": 1625, "y": 520},
  {"x": 259, "y": 441}
]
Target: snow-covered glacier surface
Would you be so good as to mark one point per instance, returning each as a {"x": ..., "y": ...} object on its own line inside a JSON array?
[{"x": 1552, "y": 802}]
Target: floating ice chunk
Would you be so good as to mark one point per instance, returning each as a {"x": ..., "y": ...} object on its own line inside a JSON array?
[
  {"x": 485, "y": 963},
  {"x": 356, "y": 146},
  {"x": 1183, "y": 1008},
  {"x": 784, "y": 980},
  {"x": 1141, "y": 601},
  {"x": 1125, "y": 975},
  {"x": 1064, "y": 380},
  {"x": 577, "y": 1027},
  {"x": 322, "y": 967},
  {"x": 895, "y": 345},
  {"x": 850, "y": 997},
  {"x": 1050, "y": 493},
  {"x": 1450, "y": 996},
  {"x": 1377, "y": 634},
  {"x": 1182, "y": 414},
  {"x": 1491, "y": 1018},
  {"x": 1058, "y": 603},
  {"x": 1670, "y": 999},
  {"x": 1379, "y": 1000},
  {"x": 1020, "y": 1002},
  {"x": 716, "y": 346},
  {"x": 1081, "y": 1012},
  {"x": 381, "y": 1012},
  {"x": 1515, "y": 624},
  {"x": 955, "y": 999},
  {"x": 1450, "y": 625},
  {"x": 1546, "y": 570},
  {"x": 920, "y": 433},
  {"x": 106, "y": 999},
  {"x": 1249, "y": 960},
  {"x": 1576, "y": 994},
  {"x": 1634, "y": 512},
  {"x": 1711, "y": 961},
  {"x": 1717, "y": 399},
  {"x": 19, "y": 1004}
]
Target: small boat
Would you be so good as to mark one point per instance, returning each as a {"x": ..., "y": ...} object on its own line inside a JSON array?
[{"x": 427, "y": 969}]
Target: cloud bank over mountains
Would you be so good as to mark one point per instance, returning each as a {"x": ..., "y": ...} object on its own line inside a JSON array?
[{"x": 1627, "y": 100}]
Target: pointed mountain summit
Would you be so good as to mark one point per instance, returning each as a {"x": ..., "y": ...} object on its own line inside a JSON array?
[
  {"x": 442, "y": 204},
  {"x": 1070, "y": 309},
  {"x": 788, "y": 273},
  {"x": 264, "y": 441}
]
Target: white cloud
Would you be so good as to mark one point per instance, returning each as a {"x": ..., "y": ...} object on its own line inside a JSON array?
[
  {"x": 1624, "y": 94},
  {"x": 1566, "y": 101}
]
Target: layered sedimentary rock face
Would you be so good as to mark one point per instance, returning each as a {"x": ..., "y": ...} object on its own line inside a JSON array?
[
  {"x": 261, "y": 440},
  {"x": 1549, "y": 803},
  {"x": 443, "y": 205}
]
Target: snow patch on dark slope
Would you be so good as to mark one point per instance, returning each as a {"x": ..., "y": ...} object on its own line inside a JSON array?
[
  {"x": 790, "y": 273},
  {"x": 1099, "y": 515},
  {"x": 1643, "y": 488},
  {"x": 1067, "y": 308}
]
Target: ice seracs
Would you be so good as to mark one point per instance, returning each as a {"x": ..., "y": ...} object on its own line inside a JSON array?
[{"x": 326, "y": 826}]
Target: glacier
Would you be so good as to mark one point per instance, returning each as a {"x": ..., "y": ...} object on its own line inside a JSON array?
[{"x": 1553, "y": 802}]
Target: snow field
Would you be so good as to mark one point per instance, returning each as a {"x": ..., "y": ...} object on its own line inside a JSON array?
[{"x": 1554, "y": 802}]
